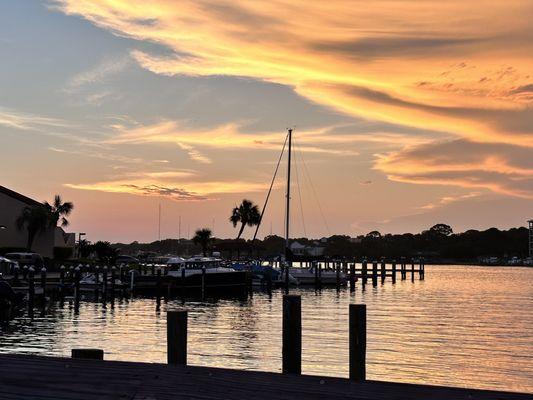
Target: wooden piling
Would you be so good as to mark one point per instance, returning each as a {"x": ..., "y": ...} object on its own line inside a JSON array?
[
  {"x": 292, "y": 334},
  {"x": 320, "y": 275},
  {"x": 43, "y": 280},
  {"x": 177, "y": 337},
  {"x": 104, "y": 282},
  {"x": 393, "y": 271},
  {"x": 383, "y": 270},
  {"x": 338, "y": 275},
  {"x": 421, "y": 267},
  {"x": 412, "y": 270},
  {"x": 97, "y": 280},
  {"x": 357, "y": 339},
  {"x": 113, "y": 283},
  {"x": 31, "y": 287},
  {"x": 89, "y": 354},
  {"x": 364, "y": 272},
  {"x": 374, "y": 273},
  {"x": 352, "y": 277},
  {"x": 403, "y": 273},
  {"x": 203, "y": 282},
  {"x": 77, "y": 292},
  {"x": 158, "y": 283}
]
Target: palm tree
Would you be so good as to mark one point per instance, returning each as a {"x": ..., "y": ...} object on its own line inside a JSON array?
[
  {"x": 59, "y": 211},
  {"x": 35, "y": 220},
  {"x": 247, "y": 213},
  {"x": 202, "y": 237}
]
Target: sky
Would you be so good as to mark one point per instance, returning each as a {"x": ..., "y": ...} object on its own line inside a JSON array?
[{"x": 405, "y": 113}]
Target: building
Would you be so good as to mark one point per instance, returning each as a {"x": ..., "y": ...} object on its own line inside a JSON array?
[
  {"x": 314, "y": 249},
  {"x": 11, "y": 238},
  {"x": 530, "y": 222}
]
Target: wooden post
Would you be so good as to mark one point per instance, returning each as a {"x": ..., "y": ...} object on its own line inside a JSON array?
[
  {"x": 352, "y": 277},
  {"x": 104, "y": 282},
  {"x": 364, "y": 271},
  {"x": 97, "y": 280},
  {"x": 203, "y": 282},
  {"x": 269, "y": 280},
  {"x": 374, "y": 273},
  {"x": 158, "y": 283},
  {"x": 77, "y": 293},
  {"x": 338, "y": 275},
  {"x": 177, "y": 337},
  {"x": 357, "y": 339},
  {"x": 182, "y": 281},
  {"x": 113, "y": 278},
  {"x": 43, "y": 280},
  {"x": 412, "y": 270},
  {"x": 421, "y": 269},
  {"x": 315, "y": 270},
  {"x": 16, "y": 270},
  {"x": 62, "y": 280},
  {"x": 393, "y": 271},
  {"x": 132, "y": 280},
  {"x": 383, "y": 270},
  {"x": 319, "y": 275},
  {"x": 31, "y": 287},
  {"x": 403, "y": 273},
  {"x": 88, "y": 354},
  {"x": 292, "y": 334}
]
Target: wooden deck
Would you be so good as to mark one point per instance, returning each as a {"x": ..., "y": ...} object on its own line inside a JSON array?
[{"x": 33, "y": 377}]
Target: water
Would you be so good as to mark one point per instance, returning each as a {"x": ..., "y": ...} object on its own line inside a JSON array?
[{"x": 462, "y": 326}]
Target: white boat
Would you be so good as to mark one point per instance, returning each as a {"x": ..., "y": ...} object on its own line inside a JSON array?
[
  {"x": 196, "y": 265},
  {"x": 306, "y": 276}
]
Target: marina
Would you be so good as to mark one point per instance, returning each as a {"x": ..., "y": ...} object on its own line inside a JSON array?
[{"x": 434, "y": 331}]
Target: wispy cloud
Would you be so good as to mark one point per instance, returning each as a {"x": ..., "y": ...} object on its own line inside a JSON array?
[
  {"x": 27, "y": 121},
  {"x": 98, "y": 73},
  {"x": 446, "y": 200}
]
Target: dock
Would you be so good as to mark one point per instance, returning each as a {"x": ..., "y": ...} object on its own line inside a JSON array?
[{"x": 36, "y": 377}]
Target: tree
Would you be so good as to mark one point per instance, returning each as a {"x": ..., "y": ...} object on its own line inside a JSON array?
[
  {"x": 247, "y": 213},
  {"x": 373, "y": 235},
  {"x": 85, "y": 248},
  {"x": 441, "y": 230},
  {"x": 104, "y": 251},
  {"x": 35, "y": 220},
  {"x": 59, "y": 211},
  {"x": 203, "y": 238}
]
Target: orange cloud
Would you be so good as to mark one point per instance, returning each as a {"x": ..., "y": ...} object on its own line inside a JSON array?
[{"x": 325, "y": 50}]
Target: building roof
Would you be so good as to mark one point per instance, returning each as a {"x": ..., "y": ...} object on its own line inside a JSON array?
[{"x": 19, "y": 197}]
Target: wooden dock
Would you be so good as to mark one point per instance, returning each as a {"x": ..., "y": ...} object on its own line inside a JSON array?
[{"x": 35, "y": 377}]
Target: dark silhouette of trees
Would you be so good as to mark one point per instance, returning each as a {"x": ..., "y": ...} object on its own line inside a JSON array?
[
  {"x": 35, "y": 219},
  {"x": 203, "y": 238},
  {"x": 105, "y": 252},
  {"x": 373, "y": 234},
  {"x": 247, "y": 213},
  {"x": 58, "y": 211},
  {"x": 85, "y": 248}
]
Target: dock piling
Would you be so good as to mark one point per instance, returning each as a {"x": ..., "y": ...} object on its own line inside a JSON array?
[
  {"x": 364, "y": 272},
  {"x": 177, "y": 337},
  {"x": 357, "y": 339},
  {"x": 352, "y": 276},
  {"x": 383, "y": 270},
  {"x": 374, "y": 273},
  {"x": 393, "y": 271},
  {"x": 292, "y": 334}
]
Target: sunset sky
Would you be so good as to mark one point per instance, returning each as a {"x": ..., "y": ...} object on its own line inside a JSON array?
[{"x": 406, "y": 113}]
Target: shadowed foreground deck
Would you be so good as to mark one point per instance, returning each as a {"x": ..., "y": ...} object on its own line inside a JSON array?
[{"x": 33, "y": 377}]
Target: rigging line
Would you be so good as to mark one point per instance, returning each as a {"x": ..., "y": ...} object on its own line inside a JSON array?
[
  {"x": 298, "y": 186},
  {"x": 270, "y": 189},
  {"x": 314, "y": 193}
]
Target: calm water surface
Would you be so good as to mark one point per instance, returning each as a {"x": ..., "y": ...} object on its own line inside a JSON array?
[{"x": 462, "y": 326}]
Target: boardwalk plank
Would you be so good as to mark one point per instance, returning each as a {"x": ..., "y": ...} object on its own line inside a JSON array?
[{"x": 34, "y": 377}]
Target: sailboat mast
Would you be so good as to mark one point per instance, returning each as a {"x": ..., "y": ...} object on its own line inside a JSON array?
[{"x": 287, "y": 209}]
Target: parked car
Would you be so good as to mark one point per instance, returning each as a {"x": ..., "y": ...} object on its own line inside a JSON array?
[
  {"x": 124, "y": 259},
  {"x": 26, "y": 259}
]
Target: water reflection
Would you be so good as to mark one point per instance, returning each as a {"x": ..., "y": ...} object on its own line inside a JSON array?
[{"x": 461, "y": 327}]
